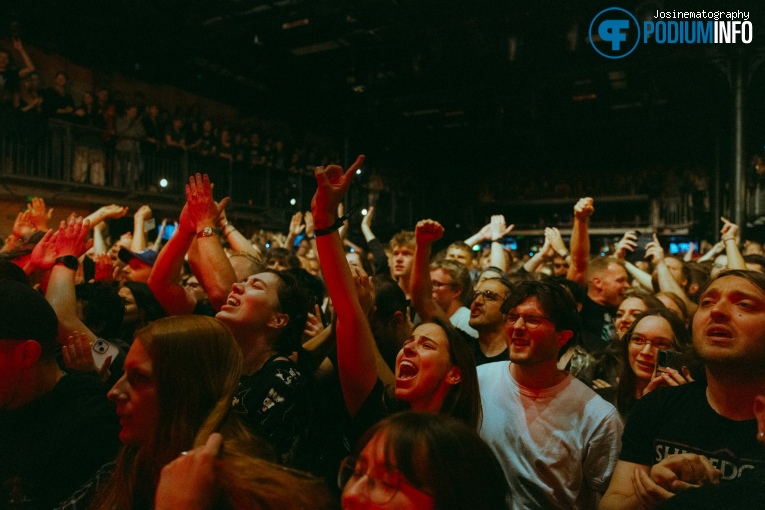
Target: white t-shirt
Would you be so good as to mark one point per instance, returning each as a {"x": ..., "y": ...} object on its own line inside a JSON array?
[
  {"x": 557, "y": 446},
  {"x": 460, "y": 318}
]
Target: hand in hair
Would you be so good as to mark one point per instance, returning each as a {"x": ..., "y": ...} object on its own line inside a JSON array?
[{"x": 188, "y": 482}]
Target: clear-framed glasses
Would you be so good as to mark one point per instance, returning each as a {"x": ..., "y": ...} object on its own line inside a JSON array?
[
  {"x": 531, "y": 321},
  {"x": 487, "y": 295},
  {"x": 656, "y": 343},
  {"x": 381, "y": 485},
  {"x": 438, "y": 285}
]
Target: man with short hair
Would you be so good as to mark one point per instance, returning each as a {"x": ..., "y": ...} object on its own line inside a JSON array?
[
  {"x": 607, "y": 282},
  {"x": 701, "y": 432},
  {"x": 56, "y": 429},
  {"x": 487, "y": 319},
  {"x": 556, "y": 440},
  {"x": 460, "y": 252}
]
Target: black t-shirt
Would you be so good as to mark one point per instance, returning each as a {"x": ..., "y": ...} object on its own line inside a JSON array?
[
  {"x": 680, "y": 420},
  {"x": 744, "y": 493},
  {"x": 275, "y": 403},
  {"x": 597, "y": 325},
  {"x": 481, "y": 358},
  {"x": 53, "y": 445}
]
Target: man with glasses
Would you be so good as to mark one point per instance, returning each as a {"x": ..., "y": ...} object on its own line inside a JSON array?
[
  {"x": 556, "y": 439},
  {"x": 487, "y": 319}
]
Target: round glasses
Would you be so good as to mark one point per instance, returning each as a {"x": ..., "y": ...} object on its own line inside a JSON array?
[
  {"x": 487, "y": 295},
  {"x": 531, "y": 321},
  {"x": 656, "y": 343}
]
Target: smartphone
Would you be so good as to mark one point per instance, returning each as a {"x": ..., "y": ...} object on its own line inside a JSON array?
[
  {"x": 149, "y": 224},
  {"x": 638, "y": 253},
  {"x": 102, "y": 350},
  {"x": 671, "y": 359},
  {"x": 168, "y": 232}
]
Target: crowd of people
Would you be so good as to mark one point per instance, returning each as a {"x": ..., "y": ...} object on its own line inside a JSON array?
[
  {"x": 316, "y": 373},
  {"x": 117, "y": 141}
]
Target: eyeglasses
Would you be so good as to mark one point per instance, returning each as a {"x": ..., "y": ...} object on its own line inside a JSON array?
[
  {"x": 487, "y": 295},
  {"x": 381, "y": 484},
  {"x": 531, "y": 321},
  {"x": 438, "y": 285},
  {"x": 656, "y": 343}
]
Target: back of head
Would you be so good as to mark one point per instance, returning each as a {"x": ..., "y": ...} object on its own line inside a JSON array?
[
  {"x": 27, "y": 316},
  {"x": 313, "y": 286},
  {"x": 281, "y": 258},
  {"x": 554, "y": 300},
  {"x": 443, "y": 457},
  {"x": 755, "y": 262}
]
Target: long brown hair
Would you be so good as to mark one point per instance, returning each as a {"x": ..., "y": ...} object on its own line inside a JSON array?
[{"x": 196, "y": 365}]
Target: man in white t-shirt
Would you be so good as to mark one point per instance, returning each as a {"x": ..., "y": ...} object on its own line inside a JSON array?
[{"x": 557, "y": 441}]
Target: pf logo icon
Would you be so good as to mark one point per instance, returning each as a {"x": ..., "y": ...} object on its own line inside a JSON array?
[{"x": 614, "y": 33}]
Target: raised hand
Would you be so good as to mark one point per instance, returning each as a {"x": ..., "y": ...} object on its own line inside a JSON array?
[
  {"x": 39, "y": 213},
  {"x": 627, "y": 244},
  {"x": 202, "y": 209},
  {"x": 669, "y": 378},
  {"x": 71, "y": 238},
  {"x": 308, "y": 220},
  {"x": 313, "y": 325},
  {"x": 296, "y": 226},
  {"x": 729, "y": 230},
  {"x": 143, "y": 213},
  {"x": 584, "y": 208},
  {"x": 44, "y": 253},
  {"x": 497, "y": 227},
  {"x": 23, "y": 225},
  {"x": 552, "y": 234},
  {"x": 428, "y": 232},
  {"x": 333, "y": 184},
  {"x": 367, "y": 220},
  {"x": 654, "y": 251}
]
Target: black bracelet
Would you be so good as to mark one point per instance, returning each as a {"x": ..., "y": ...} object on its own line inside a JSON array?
[{"x": 332, "y": 228}]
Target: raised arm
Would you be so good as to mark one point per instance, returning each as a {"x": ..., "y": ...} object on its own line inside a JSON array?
[
  {"x": 296, "y": 227},
  {"x": 667, "y": 282},
  {"x": 426, "y": 233},
  {"x": 627, "y": 244},
  {"x": 729, "y": 236},
  {"x": 165, "y": 278},
  {"x": 374, "y": 245},
  {"x": 211, "y": 265},
  {"x": 355, "y": 343},
  {"x": 28, "y": 64},
  {"x": 70, "y": 241},
  {"x": 497, "y": 230},
  {"x": 106, "y": 212},
  {"x": 139, "y": 234},
  {"x": 235, "y": 239},
  {"x": 547, "y": 252},
  {"x": 580, "y": 241},
  {"x": 482, "y": 235}
]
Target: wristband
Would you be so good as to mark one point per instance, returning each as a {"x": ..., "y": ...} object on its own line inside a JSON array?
[
  {"x": 68, "y": 261},
  {"x": 498, "y": 240},
  {"x": 224, "y": 224},
  {"x": 332, "y": 228}
]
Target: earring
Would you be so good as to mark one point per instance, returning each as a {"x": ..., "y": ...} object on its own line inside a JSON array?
[{"x": 761, "y": 435}]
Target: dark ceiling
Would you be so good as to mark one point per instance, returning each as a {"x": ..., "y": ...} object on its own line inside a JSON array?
[{"x": 445, "y": 86}]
